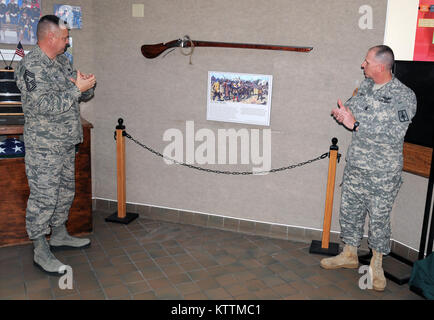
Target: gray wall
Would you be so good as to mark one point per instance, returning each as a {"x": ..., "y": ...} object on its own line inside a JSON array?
[{"x": 155, "y": 95}]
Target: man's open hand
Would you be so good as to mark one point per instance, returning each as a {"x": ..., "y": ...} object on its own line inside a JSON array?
[{"x": 343, "y": 115}]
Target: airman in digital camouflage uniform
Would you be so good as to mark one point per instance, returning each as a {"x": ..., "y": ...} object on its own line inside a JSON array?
[
  {"x": 379, "y": 115},
  {"x": 50, "y": 92}
]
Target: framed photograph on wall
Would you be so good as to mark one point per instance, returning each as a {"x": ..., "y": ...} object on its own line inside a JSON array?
[
  {"x": 70, "y": 14},
  {"x": 18, "y": 21},
  {"x": 239, "y": 97}
]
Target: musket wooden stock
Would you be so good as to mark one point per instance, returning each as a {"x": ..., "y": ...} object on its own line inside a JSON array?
[{"x": 154, "y": 50}]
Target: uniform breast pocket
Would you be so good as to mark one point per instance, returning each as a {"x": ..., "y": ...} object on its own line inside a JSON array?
[
  {"x": 60, "y": 81},
  {"x": 360, "y": 105},
  {"x": 57, "y": 80},
  {"x": 384, "y": 112}
]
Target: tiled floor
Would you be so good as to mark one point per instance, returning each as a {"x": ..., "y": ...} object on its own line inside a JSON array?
[{"x": 160, "y": 260}]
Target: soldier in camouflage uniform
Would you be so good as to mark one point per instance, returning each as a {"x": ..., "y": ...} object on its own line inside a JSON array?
[
  {"x": 51, "y": 91},
  {"x": 379, "y": 115}
]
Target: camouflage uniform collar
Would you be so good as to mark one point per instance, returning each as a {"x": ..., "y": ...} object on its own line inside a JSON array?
[
  {"x": 44, "y": 58},
  {"x": 391, "y": 81},
  {"x": 386, "y": 85}
]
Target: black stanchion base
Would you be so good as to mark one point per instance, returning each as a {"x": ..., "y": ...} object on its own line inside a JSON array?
[
  {"x": 396, "y": 268},
  {"x": 316, "y": 247},
  {"x": 128, "y": 218}
]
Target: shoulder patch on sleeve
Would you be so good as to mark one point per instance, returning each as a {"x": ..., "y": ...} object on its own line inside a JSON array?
[
  {"x": 403, "y": 116},
  {"x": 29, "y": 79}
]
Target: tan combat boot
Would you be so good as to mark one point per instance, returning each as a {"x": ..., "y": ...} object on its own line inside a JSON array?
[
  {"x": 346, "y": 259},
  {"x": 44, "y": 259},
  {"x": 60, "y": 239},
  {"x": 376, "y": 271}
]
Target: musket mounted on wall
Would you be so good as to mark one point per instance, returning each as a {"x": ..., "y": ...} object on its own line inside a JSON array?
[{"x": 151, "y": 51}]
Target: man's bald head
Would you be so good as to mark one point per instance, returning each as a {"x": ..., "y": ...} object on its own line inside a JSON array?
[{"x": 47, "y": 24}]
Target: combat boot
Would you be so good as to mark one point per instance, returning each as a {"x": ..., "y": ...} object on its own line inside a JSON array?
[
  {"x": 43, "y": 257},
  {"x": 60, "y": 239},
  {"x": 346, "y": 259},
  {"x": 376, "y": 271}
]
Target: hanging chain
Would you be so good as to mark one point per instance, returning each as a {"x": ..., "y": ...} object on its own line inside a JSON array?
[{"x": 323, "y": 156}]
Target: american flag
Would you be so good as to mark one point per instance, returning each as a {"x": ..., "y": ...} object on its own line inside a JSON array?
[
  {"x": 12, "y": 148},
  {"x": 20, "y": 50}
]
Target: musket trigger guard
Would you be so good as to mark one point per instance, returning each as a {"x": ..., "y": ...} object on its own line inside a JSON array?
[{"x": 171, "y": 50}]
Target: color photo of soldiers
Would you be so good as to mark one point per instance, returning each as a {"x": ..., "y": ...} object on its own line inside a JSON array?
[
  {"x": 70, "y": 14},
  {"x": 18, "y": 21},
  {"x": 238, "y": 90}
]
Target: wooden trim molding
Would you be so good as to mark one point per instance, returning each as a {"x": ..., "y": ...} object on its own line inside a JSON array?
[{"x": 417, "y": 159}]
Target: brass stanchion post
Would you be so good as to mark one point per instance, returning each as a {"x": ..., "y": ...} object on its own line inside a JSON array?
[
  {"x": 121, "y": 216},
  {"x": 324, "y": 246}
]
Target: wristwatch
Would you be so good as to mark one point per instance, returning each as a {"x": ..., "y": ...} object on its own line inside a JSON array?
[{"x": 356, "y": 124}]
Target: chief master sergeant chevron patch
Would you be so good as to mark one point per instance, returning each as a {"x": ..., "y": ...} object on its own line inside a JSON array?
[{"x": 29, "y": 79}]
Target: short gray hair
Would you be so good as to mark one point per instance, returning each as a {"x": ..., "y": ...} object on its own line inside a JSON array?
[
  {"x": 48, "y": 23},
  {"x": 384, "y": 54}
]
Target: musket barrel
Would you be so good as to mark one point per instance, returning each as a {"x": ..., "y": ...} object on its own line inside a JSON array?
[
  {"x": 199, "y": 43},
  {"x": 151, "y": 51}
]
